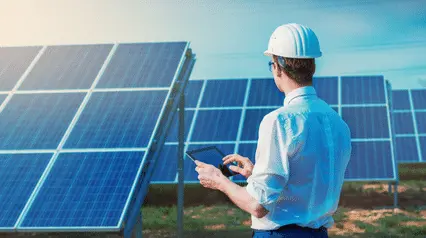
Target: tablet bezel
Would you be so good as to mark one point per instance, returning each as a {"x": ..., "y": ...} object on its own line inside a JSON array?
[{"x": 223, "y": 168}]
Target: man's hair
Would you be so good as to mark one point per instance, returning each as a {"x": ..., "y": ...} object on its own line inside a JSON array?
[{"x": 299, "y": 70}]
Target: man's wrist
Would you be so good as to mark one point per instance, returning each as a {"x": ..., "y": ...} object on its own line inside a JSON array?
[{"x": 224, "y": 183}]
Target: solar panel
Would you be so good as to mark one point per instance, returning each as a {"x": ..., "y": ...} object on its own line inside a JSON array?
[
  {"x": 409, "y": 115},
  {"x": 362, "y": 90},
  {"x": 192, "y": 93},
  {"x": 172, "y": 135},
  {"x": 327, "y": 88},
  {"x": 143, "y": 65},
  {"x": 419, "y": 98},
  {"x": 422, "y": 143},
  {"x": 367, "y": 114},
  {"x": 19, "y": 176},
  {"x": 421, "y": 122},
  {"x": 264, "y": 92},
  {"x": 365, "y": 107},
  {"x": 224, "y": 93},
  {"x": 403, "y": 123},
  {"x": 370, "y": 160},
  {"x": 406, "y": 149},
  {"x": 166, "y": 169},
  {"x": 67, "y": 67},
  {"x": 37, "y": 121},
  {"x": 210, "y": 125},
  {"x": 127, "y": 119},
  {"x": 2, "y": 98},
  {"x": 401, "y": 100},
  {"x": 13, "y": 63},
  {"x": 84, "y": 190},
  {"x": 92, "y": 149}
]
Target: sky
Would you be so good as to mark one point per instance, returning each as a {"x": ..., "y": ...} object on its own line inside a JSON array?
[{"x": 359, "y": 37}]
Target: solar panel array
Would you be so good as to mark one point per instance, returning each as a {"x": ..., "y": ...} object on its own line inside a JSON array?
[
  {"x": 77, "y": 124},
  {"x": 409, "y": 112},
  {"x": 227, "y": 113}
]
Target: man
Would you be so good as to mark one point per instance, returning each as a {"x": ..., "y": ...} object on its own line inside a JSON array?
[{"x": 302, "y": 152}]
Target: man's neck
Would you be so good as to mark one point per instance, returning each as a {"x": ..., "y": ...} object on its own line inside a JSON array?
[{"x": 293, "y": 87}]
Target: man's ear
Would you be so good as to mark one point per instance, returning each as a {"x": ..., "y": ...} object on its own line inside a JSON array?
[{"x": 279, "y": 69}]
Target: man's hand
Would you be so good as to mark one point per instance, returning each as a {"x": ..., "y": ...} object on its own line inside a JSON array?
[
  {"x": 245, "y": 166},
  {"x": 209, "y": 176}
]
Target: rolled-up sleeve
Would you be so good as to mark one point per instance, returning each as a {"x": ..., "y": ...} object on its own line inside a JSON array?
[{"x": 271, "y": 170}]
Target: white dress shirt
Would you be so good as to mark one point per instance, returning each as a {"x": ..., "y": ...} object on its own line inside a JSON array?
[{"x": 301, "y": 157}]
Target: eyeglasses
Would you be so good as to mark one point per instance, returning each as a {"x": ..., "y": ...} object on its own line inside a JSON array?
[{"x": 270, "y": 65}]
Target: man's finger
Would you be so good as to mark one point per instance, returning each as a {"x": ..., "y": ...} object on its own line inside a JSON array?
[
  {"x": 200, "y": 164},
  {"x": 227, "y": 157},
  {"x": 236, "y": 169},
  {"x": 231, "y": 159}
]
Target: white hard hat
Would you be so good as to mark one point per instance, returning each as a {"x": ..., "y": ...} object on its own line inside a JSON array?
[{"x": 294, "y": 41}]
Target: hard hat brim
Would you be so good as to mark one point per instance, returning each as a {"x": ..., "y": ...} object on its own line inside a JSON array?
[{"x": 267, "y": 53}]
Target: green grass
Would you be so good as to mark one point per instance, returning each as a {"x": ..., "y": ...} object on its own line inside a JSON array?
[
  {"x": 196, "y": 218},
  {"x": 220, "y": 218},
  {"x": 199, "y": 221}
]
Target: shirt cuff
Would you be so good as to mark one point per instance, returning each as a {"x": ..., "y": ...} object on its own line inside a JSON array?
[{"x": 259, "y": 195}]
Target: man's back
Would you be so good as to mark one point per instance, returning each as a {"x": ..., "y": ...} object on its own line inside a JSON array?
[{"x": 312, "y": 151}]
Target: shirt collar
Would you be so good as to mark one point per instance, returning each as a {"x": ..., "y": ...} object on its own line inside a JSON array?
[{"x": 306, "y": 90}]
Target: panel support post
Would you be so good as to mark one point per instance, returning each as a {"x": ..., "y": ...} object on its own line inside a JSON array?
[
  {"x": 180, "y": 166},
  {"x": 390, "y": 187},
  {"x": 395, "y": 195},
  {"x": 137, "y": 228}
]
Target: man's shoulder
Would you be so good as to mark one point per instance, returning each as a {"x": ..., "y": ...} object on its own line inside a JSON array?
[{"x": 280, "y": 114}]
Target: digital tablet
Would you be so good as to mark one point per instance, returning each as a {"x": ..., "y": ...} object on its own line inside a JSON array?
[{"x": 212, "y": 155}]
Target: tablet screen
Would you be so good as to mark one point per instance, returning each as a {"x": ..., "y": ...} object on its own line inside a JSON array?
[{"x": 211, "y": 155}]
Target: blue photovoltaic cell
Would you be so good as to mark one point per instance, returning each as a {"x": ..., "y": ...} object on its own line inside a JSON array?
[
  {"x": 419, "y": 98},
  {"x": 362, "y": 89},
  {"x": 406, "y": 149},
  {"x": 166, "y": 167},
  {"x": 224, "y": 93},
  {"x": 19, "y": 176},
  {"x": 370, "y": 160},
  {"x": 335, "y": 109},
  {"x": 422, "y": 140},
  {"x": 366, "y": 122},
  {"x": 143, "y": 65},
  {"x": 37, "y": 121},
  {"x": 13, "y": 63},
  {"x": 403, "y": 122},
  {"x": 192, "y": 93},
  {"x": 117, "y": 120},
  {"x": 246, "y": 150},
  {"x": 264, "y": 92},
  {"x": 85, "y": 190},
  {"x": 172, "y": 134},
  {"x": 327, "y": 89},
  {"x": 400, "y": 100},
  {"x": 252, "y": 122},
  {"x": 2, "y": 98},
  {"x": 189, "y": 170},
  {"x": 67, "y": 67},
  {"x": 216, "y": 125},
  {"x": 421, "y": 122}
]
